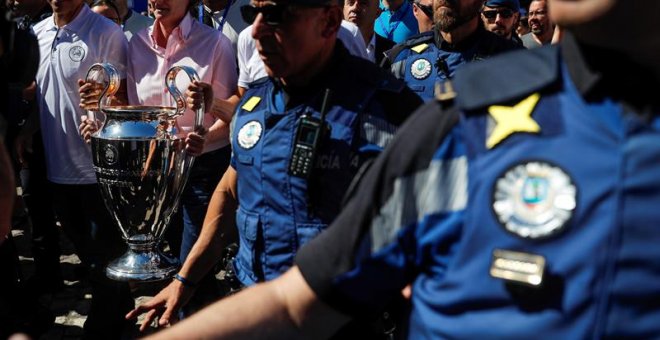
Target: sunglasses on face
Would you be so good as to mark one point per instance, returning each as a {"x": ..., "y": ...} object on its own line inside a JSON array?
[
  {"x": 273, "y": 15},
  {"x": 492, "y": 13},
  {"x": 427, "y": 9}
]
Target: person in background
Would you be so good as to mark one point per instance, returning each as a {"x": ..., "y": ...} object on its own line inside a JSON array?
[
  {"x": 426, "y": 62},
  {"x": 28, "y": 12},
  {"x": 273, "y": 195},
  {"x": 362, "y": 13},
  {"x": 523, "y": 24},
  {"x": 423, "y": 12},
  {"x": 70, "y": 41},
  {"x": 396, "y": 22},
  {"x": 117, "y": 11},
  {"x": 501, "y": 17},
  {"x": 222, "y": 15},
  {"x": 45, "y": 248},
  {"x": 542, "y": 29},
  {"x": 520, "y": 210},
  {"x": 132, "y": 21},
  {"x": 108, "y": 9},
  {"x": 178, "y": 39}
]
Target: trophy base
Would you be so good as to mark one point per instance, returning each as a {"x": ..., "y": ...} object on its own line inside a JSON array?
[{"x": 142, "y": 265}]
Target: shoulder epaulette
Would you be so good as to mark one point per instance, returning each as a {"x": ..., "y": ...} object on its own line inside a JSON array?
[
  {"x": 510, "y": 76},
  {"x": 416, "y": 40}
]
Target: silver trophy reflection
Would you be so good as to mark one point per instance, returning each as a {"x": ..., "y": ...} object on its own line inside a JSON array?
[{"x": 142, "y": 168}]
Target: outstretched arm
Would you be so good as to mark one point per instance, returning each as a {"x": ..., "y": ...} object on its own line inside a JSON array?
[
  {"x": 217, "y": 232},
  {"x": 285, "y": 308}
]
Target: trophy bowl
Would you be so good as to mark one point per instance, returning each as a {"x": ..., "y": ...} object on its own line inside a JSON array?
[{"x": 141, "y": 166}]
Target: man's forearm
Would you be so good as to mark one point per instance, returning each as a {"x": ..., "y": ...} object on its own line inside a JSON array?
[
  {"x": 218, "y": 231},
  {"x": 218, "y": 135},
  {"x": 285, "y": 308},
  {"x": 224, "y": 108}
]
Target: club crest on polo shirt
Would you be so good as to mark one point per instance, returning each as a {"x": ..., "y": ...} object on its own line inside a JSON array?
[
  {"x": 249, "y": 134},
  {"x": 110, "y": 154},
  {"x": 76, "y": 53},
  {"x": 420, "y": 68},
  {"x": 534, "y": 199}
]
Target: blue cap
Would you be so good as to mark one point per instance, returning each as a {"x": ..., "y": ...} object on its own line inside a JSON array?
[{"x": 511, "y": 4}]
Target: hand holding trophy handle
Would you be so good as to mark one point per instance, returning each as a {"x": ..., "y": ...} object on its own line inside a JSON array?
[
  {"x": 170, "y": 83},
  {"x": 103, "y": 78},
  {"x": 109, "y": 82}
]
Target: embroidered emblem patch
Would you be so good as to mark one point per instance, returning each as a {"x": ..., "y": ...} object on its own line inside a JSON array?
[
  {"x": 110, "y": 154},
  {"x": 77, "y": 53},
  {"x": 249, "y": 134},
  {"x": 420, "y": 68},
  {"x": 534, "y": 199}
]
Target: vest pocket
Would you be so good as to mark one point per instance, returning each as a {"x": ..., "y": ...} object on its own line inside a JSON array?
[
  {"x": 246, "y": 259},
  {"x": 307, "y": 231}
]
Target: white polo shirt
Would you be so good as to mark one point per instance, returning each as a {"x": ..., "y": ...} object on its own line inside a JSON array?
[{"x": 66, "y": 53}]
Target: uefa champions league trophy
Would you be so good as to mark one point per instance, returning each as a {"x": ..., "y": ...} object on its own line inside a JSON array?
[{"x": 142, "y": 168}]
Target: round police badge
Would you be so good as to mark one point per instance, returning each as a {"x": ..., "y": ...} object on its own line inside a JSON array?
[
  {"x": 110, "y": 154},
  {"x": 420, "y": 68},
  {"x": 249, "y": 134},
  {"x": 77, "y": 53},
  {"x": 534, "y": 199}
]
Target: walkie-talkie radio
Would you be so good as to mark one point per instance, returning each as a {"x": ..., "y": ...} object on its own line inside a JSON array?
[{"x": 309, "y": 134}]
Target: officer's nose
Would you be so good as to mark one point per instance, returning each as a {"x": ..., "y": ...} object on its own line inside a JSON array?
[{"x": 260, "y": 28}]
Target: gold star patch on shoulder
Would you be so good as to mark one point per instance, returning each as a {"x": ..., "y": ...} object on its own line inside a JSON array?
[{"x": 512, "y": 119}]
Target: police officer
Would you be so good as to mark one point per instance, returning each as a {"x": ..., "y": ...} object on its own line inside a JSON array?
[
  {"x": 520, "y": 211},
  {"x": 298, "y": 139},
  {"x": 457, "y": 37}
]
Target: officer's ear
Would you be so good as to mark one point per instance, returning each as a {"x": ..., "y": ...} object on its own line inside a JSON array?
[{"x": 334, "y": 16}]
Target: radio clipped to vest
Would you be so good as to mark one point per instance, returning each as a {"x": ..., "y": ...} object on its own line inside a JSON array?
[{"x": 309, "y": 135}]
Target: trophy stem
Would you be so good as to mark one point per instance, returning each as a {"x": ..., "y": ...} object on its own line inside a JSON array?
[{"x": 142, "y": 262}]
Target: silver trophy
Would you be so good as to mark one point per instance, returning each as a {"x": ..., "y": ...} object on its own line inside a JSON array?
[{"x": 142, "y": 168}]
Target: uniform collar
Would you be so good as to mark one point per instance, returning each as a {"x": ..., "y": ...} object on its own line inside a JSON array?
[{"x": 75, "y": 24}]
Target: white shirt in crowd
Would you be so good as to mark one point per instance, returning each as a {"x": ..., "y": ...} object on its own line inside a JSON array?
[
  {"x": 251, "y": 67},
  {"x": 66, "y": 53}
]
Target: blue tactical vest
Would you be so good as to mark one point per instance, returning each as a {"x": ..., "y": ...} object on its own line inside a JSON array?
[
  {"x": 422, "y": 64},
  {"x": 559, "y": 236},
  {"x": 278, "y": 212}
]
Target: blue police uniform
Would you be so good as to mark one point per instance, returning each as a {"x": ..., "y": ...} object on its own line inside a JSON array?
[
  {"x": 426, "y": 59},
  {"x": 521, "y": 211},
  {"x": 277, "y": 211}
]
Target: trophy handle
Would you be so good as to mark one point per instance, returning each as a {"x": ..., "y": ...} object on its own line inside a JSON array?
[
  {"x": 170, "y": 83},
  {"x": 112, "y": 86}
]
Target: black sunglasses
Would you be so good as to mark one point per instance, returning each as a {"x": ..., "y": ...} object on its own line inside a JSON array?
[
  {"x": 492, "y": 13},
  {"x": 427, "y": 9},
  {"x": 274, "y": 15}
]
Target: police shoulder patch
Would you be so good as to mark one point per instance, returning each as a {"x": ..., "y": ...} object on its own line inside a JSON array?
[
  {"x": 534, "y": 199},
  {"x": 421, "y": 68},
  {"x": 249, "y": 134}
]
